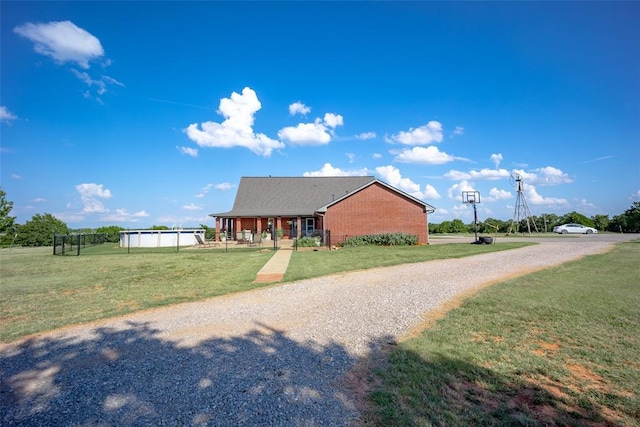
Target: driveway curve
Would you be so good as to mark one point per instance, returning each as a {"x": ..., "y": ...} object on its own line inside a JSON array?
[{"x": 273, "y": 356}]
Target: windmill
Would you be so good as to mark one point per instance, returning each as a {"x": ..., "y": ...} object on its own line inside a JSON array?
[{"x": 521, "y": 211}]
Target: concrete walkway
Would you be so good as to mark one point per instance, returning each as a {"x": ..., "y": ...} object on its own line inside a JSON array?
[{"x": 276, "y": 267}]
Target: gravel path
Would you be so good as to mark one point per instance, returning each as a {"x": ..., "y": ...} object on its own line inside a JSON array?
[{"x": 275, "y": 356}]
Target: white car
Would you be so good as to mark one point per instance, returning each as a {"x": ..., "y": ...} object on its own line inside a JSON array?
[{"x": 574, "y": 229}]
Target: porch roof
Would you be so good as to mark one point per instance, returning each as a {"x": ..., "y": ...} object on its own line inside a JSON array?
[{"x": 290, "y": 196}]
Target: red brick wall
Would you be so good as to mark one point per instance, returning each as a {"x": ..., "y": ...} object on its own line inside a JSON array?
[{"x": 375, "y": 210}]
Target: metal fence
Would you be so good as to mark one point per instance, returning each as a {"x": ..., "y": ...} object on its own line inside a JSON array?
[{"x": 72, "y": 244}]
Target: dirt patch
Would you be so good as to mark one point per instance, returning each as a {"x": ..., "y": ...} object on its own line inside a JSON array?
[
  {"x": 361, "y": 380},
  {"x": 545, "y": 348}
]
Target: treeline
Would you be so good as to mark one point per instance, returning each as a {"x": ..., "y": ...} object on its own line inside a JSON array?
[
  {"x": 39, "y": 230},
  {"x": 626, "y": 222}
]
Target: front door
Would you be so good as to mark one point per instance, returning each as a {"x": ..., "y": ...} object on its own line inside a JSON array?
[{"x": 309, "y": 226}]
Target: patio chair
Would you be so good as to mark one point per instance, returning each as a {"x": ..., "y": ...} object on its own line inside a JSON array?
[
  {"x": 205, "y": 243},
  {"x": 255, "y": 241}
]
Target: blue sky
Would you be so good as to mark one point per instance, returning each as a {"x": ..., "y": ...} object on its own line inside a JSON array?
[{"x": 149, "y": 113}]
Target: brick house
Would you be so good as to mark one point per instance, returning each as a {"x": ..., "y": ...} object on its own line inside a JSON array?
[{"x": 308, "y": 206}]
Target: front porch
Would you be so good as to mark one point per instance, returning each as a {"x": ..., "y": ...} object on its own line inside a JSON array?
[{"x": 285, "y": 228}]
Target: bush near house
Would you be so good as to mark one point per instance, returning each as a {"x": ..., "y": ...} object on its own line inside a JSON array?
[
  {"x": 385, "y": 239},
  {"x": 307, "y": 242}
]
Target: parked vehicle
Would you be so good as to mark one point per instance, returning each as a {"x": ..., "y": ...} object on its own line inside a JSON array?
[{"x": 574, "y": 229}]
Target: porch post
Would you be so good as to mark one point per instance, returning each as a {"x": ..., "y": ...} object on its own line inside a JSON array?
[{"x": 299, "y": 226}]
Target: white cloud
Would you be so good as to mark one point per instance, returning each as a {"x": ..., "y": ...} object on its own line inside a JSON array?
[
  {"x": 544, "y": 176},
  {"x": 431, "y": 193},
  {"x": 299, "y": 108},
  {"x": 63, "y": 41},
  {"x": 93, "y": 190},
  {"x": 333, "y": 120},
  {"x": 459, "y": 130},
  {"x": 6, "y": 115},
  {"x": 99, "y": 84},
  {"x": 366, "y": 135},
  {"x": 193, "y": 152},
  {"x": 112, "y": 81},
  {"x": 224, "y": 186},
  {"x": 84, "y": 77},
  {"x": 532, "y": 197},
  {"x": 455, "y": 191},
  {"x": 306, "y": 134},
  {"x": 496, "y": 194},
  {"x": 483, "y": 174},
  {"x": 89, "y": 194},
  {"x": 351, "y": 157},
  {"x": 237, "y": 128},
  {"x": 319, "y": 132},
  {"x": 192, "y": 207},
  {"x": 69, "y": 217},
  {"x": 122, "y": 215},
  {"x": 204, "y": 190},
  {"x": 376, "y": 155},
  {"x": 424, "y": 155},
  {"x": 391, "y": 175},
  {"x": 496, "y": 159},
  {"x": 328, "y": 170},
  {"x": 423, "y": 135},
  {"x": 16, "y": 176},
  {"x": 584, "y": 203}
]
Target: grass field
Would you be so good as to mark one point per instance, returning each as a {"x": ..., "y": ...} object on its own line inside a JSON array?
[
  {"x": 558, "y": 347},
  {"x": 41, "y": 292}
]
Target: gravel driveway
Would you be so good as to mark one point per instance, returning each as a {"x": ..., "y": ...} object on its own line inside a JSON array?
[{"x": 274, "y": 356}]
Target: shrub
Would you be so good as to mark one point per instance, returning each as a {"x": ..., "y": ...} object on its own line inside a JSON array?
[
  {"x": 306, "y": 242},
  {"x": 385, "y": 239}
]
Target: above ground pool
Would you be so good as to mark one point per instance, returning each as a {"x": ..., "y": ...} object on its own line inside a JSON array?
[{"x": 159, "y": 238}]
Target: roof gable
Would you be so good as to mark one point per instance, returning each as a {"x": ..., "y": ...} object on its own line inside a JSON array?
[{"x": 428, "y": 207}]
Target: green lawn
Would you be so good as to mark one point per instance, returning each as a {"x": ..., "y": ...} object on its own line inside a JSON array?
[
  {"x": 41, "y": 292},
  {"x": 557, "y": 347}
]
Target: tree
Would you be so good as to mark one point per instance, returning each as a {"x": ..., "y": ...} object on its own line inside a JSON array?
[
  {"x": 457, "y": 226},
  {"x": 445, "y": 227},
  {"x": 601, "y": 222},
  {"x": 633, "y": 218},
  {"x": 39, "y": 230},
  {"x": 628, "y": 222},
  {"x": 112, "y": 232},
  {"x": 6, "y": 222},
  {"x": 549, "y": 220},
  {"x": 493, "y": 225},
  {"x": 575, "y": 217}
]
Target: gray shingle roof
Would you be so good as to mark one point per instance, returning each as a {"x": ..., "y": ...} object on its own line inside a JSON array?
[
  {"x": 292, "y": 196},
  {"x": 289, "y": 196}
]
